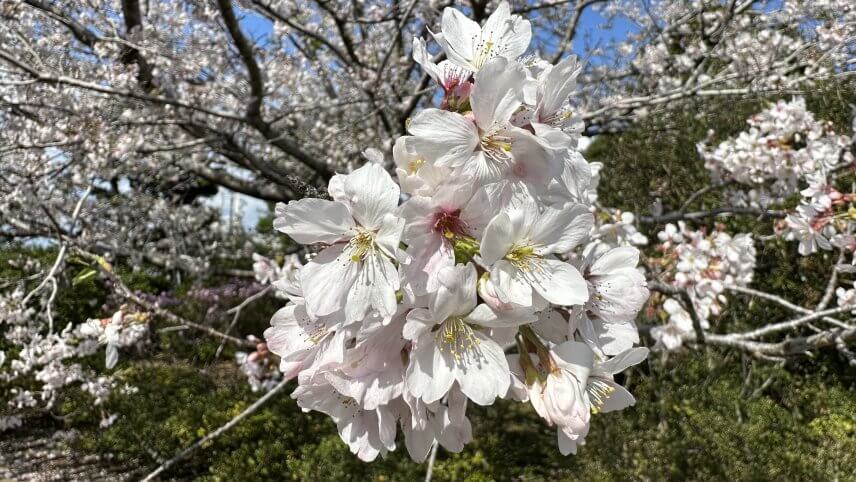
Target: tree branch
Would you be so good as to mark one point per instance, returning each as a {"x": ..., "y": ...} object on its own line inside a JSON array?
[{"x": 211, "y": 436}]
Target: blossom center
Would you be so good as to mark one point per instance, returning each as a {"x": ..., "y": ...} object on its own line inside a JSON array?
[
  {"x": 496, "y": 146},
  {"x": 449, "y": 223},
  {"x": 414, "y": 165},
  {"x": 456, "y": 337},
  {"x": 557, "y": 119},
  {"x": 599, "y": 392},
  {"x": 362, "y": 244},
  {"x": 317, "y": 333},
  {"x": 485, "y": 48},
  {"x": 524, "y": 257}
]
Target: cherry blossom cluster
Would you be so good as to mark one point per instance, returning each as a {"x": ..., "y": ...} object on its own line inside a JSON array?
[
  {"x": 53, "y": 361},
  {"x": 703, "y": 264},
  {"x": 825, "y": 217},
  {"x": 420, "y": 285},
  {"x": 784, "y": 145}
]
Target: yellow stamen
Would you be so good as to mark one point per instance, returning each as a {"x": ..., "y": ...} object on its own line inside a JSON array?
[
  {"x": 523, "y": 257},
  {"x": 496, "y": 147},
  {"x": 362, "y": 244},
  {"x": 414, "y": 165},
  {"x": 456, "y": 336},
  {"x": 599, "y": 392}
]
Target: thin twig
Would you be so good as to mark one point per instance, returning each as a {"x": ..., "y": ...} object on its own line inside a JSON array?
[
  {"x": 783, "y": 302},
  {"x": 830, "y": 286},
  {"x": 50, "y": 278},
  {"x": 211, "y": 436},
  {"x": 431, "y": 458},
  {"x": 125, "y": 292},
  {"x": 236, "y": 311},
  {"x": 696, "y": 215},
  {"x": 791, "y": 324}
]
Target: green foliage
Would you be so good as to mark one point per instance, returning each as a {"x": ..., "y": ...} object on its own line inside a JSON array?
[
  {"x": 658, "y": 159},
  {"x": 697, "y": 417},
  {"x": 75, "y": 301}
]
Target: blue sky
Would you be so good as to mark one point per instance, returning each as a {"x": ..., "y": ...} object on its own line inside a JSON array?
[
  {"x": 259, "y": 28},
  {"x": 590, "y": 27}
]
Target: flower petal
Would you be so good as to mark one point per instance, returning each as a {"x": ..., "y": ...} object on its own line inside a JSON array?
[
  {"x": 371, "y": 194},
  {"x": 560, "y": 230},
  {"x": 497, "y": 92},
  {"x": 429, "y": 374},
  {"x": 615, "y": 259},
  {"x": 456, "y": 294},
  {"x": 442, "y": 137},
  {"x": 459, "y": 34},
  {"x": 622, "y": 361},
  {"x": 484, "y": 375},
  {"x": 619, "y": 399},
  {"x": 510, "y": 34},
  {"x": 498, "y": 238},
  {"x": 310, "y": 221},
  {"x": 483, "y": 315},
  {"x": 558, "y": 282},
  {"x": 375, "y": 287},
  {"x": 326, "y": 280},
  {"x": 510, "y": 284},
  {"x": 575, "y": 357}
]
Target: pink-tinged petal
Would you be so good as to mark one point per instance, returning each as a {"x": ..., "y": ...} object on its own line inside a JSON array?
[
  {"x": 418, "y": 214},
  {"x": 534, "y": 162},
  {"x": 428, "y": 255}
]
